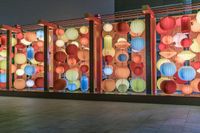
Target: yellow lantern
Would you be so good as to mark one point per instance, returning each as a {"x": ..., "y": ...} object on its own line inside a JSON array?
[
  {"x": 19, "y": 84},
  {"x": 186, "y": 55},
  {"x": 20, "y": 72},
  {"x": 83, "y": 29},
  {"x": 160, "y": 80},
  {"x": 198, "y": 17},
  {"x": 3, "y": 53},
  {"x": 137, "y": 26},
  {"x": 72, "y": 33},
  {"x": 195, "y": 47},
  {"x": 60, "y": 43},
  {"x": 20, "y": 58},
  {"x": 108, "y": 52},
  {"x": 14, "y": 41},
  {"x": 107, "y": 27},
  {"x": 107, "y": 42},
  {"x": 3, "y": 65},
  {"x": 161, "y": 61},
  {"x": 168, "y": 53}
]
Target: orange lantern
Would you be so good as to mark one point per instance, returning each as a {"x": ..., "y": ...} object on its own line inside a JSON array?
[
  {"x": 187, "y": 89},
  {"x": 60, "y": 32},
  {"x": 108, "y": 85},
  {"x": 40, "y": 43},
  {"x": 19, "y": 84},
  {"x": 84, "y": 41},
  {"x": 30, "y": 36},
  {"x": 13, "y": 68},
  {"x": 122, "y": 72},
  {"x": 137, "y": 58},
  {"x": 60, "y": 69}
]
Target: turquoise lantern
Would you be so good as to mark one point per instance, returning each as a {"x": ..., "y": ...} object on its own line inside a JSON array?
[
  {"x": 29, "y": 70},
  {"x": 137, "y": 43},
  {"x": 187, "y": 73},
  {"x": 30, "y": 53},
  {"x": 168, "y": 69},
  {"x": 84, "y": 83},
  {"x": 2, "y": 78}
]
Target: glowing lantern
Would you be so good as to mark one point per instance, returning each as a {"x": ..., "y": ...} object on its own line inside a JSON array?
[
  {"x": 108, "y": 52},
  {"x": 137, "y": 58},
  {"x": 40, "y": 34},
  {"x": 30, "y": 36},
  {"x": 3, "y": 40},
  {"x": 137, "y": 43},
  {"x": 195, "y": 47},
  {"x": 29, "y": 70},
  {"x": 187, "y": 89},
  {"x": 72, "y": 74},
  {"x": 60, "y": 56},
  {"x": 198, "y": 17},
  {"x": 186, "y": 73},
  {"x": 71, "y": 86},
  {"x": 30, "y": 83},
  {"x": 185, "y": 24},
  {"x": 168, "y": 69},
  {"x": 84, "y": 83},
  {"x": 107, "y": 42},
  {"x": 123, "y": 28},
  {"x": 162, "y": 46},
  {"x": 3, "y": 65},
  {"x": 19, "y": 84},
  {"x": 168, "y": 23},
  {"x": 2, "y": 77},
  {"x": 195, "y": 85},
  {"x": 39, "y": 56},
  {"x": 195, "y": 65},
  {"x": 122, "y": 72},
  {"x": 138, "y": 70},
  {"x": 71, "y": 49},
  {"x": 122, "y": 85},
  {"x": 76, "y": 82},
  {"x": 167, "y": 39},
  {"x": 20, "y": 36},
  {"x": 60, "y": 69},
  {"x": 84, "y": 68},
  {"x": 186, "y": 55},
  {"x": 84, "y": 41},
  {"x": 60, "y": 43},
  {"x": 186, "y": 42},
  {"x": 13, "y": 41},
  {"x": 177, "y": 38},
  {"x": 39, "y": 82},
  {"x": 72, "y": 33},
  {"x": 83, "y": 54},
  {"x": 83, "y": 29},
  {"x": 108, "y": 70},
  {"x": 20, "y": 72},
  {"x": 20, "y": 58},
  {"x": 121, "y": 56},
  {"x": 108, "y": 85},
  {"x": 160, "y": 80},
  {"x": 137, "y": 26},
  {"x": 138, "y": 85},
  {"x": 30, "y": 53},
  {"x": 59, "y": 84},
  {"x": 122, "y": 44},
  {"x": 107, "y": 27},
  {"x": 168, "y": 53},
  {"x": 60, "y": 32},
  {"x": 168, "y": 86},
  {"x": 3, "y": 53},
  {"x": 160, "y": 30}
]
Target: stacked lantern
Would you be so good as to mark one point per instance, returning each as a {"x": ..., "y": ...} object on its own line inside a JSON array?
[
  {"x": 72, "y": 59},
  {"x": 179, "y": 54},
  {"x": 123, "y": 60}
]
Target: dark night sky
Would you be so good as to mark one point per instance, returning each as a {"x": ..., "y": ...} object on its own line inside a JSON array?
[{"x": 29, "y": 11}]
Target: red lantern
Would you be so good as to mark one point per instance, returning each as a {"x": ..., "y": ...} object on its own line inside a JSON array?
[
  {"x": 185, "y": 24},
  {"x": 168, "y": 86},
  {"x": 60, "y": 32},
  {"x": 3, "y": 40},
  {"x": 108, "y": 58},
  {"x": 20, "y": 36},
  {"x": 138, "y": 71},
  {"x": 137, "y": 58},
  {"x": 167, "y": 23},
  {"x": 65, "y": 66},
  {"x": 72, "y": 49},
  {"x": 60, "y": 69},
  {"x": 123, "y": 28},
  {"x": 133, "y": 65},
  {"x": 162, "y": 46},
  {"x": 84, "y": 68},
  {"x": 195, "y": 64},
  {"x": 39, "y": 82},
  {"x": 186, "y": 42},
  {"x": 39, "y": 56},
  {"x": 160, "y": 30},
  {"x": 60, "y": 56},
  {"x": 59, "y": 84}
]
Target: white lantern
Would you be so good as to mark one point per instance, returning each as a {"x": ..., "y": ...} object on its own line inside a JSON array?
[
  {"x": 186, "y": 55},
  {"x": 20, "y": 72},
  {"x": 83, "y": 30},
  {"x": 30, "y": 83},
  {"x": 60, "y": 43},
  {"x": 137, "y": 26},
  {"x": 72, "y": 33},
  {"x": 178, "y": 38},
  {"x": 107, "y": 27}
]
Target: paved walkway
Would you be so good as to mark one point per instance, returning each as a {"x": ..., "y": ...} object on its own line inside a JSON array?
[{"x": 27, "y": 115}]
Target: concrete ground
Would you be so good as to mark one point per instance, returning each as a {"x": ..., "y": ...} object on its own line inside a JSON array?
[{"x": 28, "y": 115}]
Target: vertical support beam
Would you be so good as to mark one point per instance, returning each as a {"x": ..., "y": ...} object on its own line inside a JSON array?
[
  {"x": 91, "y": 46},
  {"x": 8, "y": 60},
  {"x": 46, "y": 58}
]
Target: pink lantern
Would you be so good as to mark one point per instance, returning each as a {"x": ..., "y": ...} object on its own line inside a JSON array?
[{"x": 168, "y": 23}]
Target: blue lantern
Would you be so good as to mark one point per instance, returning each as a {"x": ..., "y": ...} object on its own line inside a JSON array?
[
  {"x": 84, "y": 83},
  {"x": 29, "y": 70},
  {"x": 137, "y": 43},
  {"x": 2, "y": 78},
  {"x": 71, "y": 87},
  {"x": 108, "y": 70},
  {"x": 168, "y": 69},
  {"x": 30, "y": 53},
  {"x": 40, "y": 34},
  {"x": 187, "y": 73},
  {"x": 122, "y": 57}
]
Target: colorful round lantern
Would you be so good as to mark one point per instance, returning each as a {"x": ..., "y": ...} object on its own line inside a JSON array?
[
  {"x": 160, "y": 80},
  {"x": 177, "y": 38},
  {"x": 60, "y": 69},
  {"x": 64, "y": 38},
  {"x": 30, "y": 36},
  {"x": 84, "y": 83},
  {"x": 168, "y": 23},
  {"x": 186, "y": 73},
  {"x": 2, "y": 77},
  {"x": 20, "y": 72},
  {"x": 29, "y": 70},
  {"x": 168, "y": 69},
  {"x": 122, "y": 85},
  {"x": 138, "y": 70},
  {"x": 198, "y": 17},
  {"x": 84, "y": 30},
  {"x": 122, "y": 72},
  {"x": 160, "y": 30},
  {"x": 186, "y": 55},
  {"x": 137, "y": 43},
  {"x": 30, "y": 53},
  {"x": 108, "y": 85},
  {"x": 60, "y": 56},
  {"x": 108, "y": 52},
  {"x": 60, "y": 43},
  {"x": 137, "y": 26},
  {"x": 186, "y": 42},
  {"x": 19, "y": 84},
  {"x": 138, "y": 85},
  {"x": 137, "y": 58},
  {"x": 161, "y": 61},
  {"x": 71, "y": 86},
  {"x": 107, "y": 42},
  {"x": 30, "y": 83},
  {"x": 40, "y": 34},
  {"x": 107, "y": 27},
  {"x": 195, "y": 27},
  {"x": 3, "y": 65},
  {"x": 20, "y": 58},
  {"x": 123, "y": 28},
  {"x": 60, "y": 32},
  {"x": 72, "y": 74},
  {"x": 195, "y": 64},
  {"x": 71, "y": 49},
  {"x": 13, "y": 68},
  {"x": 83, "y": 54},
  {"x": 84, "y": 41},
  {"x": 187, "y": 89},
  {"x": 39, "y": 56},
  {"x": 167, "y": 39},
  {"x": 59, "y": 84},
  {"x": 108, "y": 70},
  {"x": 72, "y": 33},
  {"x": 84, "y": 68},
  {"x": 195, "y": 47},
  {"x": 168, "y": 86},
  {"x": 39, "y": 82}
]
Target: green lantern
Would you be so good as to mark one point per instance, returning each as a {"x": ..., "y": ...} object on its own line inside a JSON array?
[{"x": 138, "y": 85}]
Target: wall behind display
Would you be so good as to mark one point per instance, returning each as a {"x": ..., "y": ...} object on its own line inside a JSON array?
[{"x": 29, "y": 11}]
